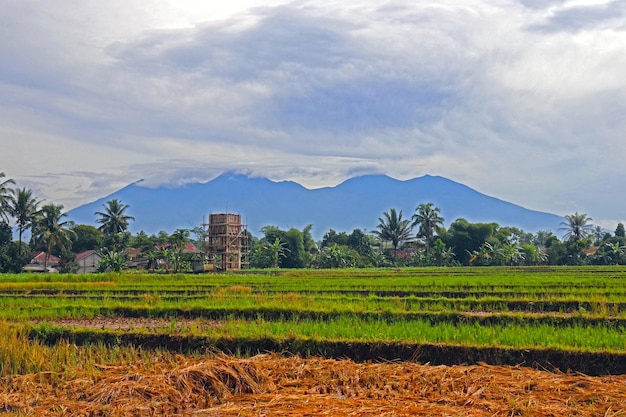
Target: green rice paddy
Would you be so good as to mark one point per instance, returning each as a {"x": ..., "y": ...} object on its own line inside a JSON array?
[{"x": 564, "y": 309}]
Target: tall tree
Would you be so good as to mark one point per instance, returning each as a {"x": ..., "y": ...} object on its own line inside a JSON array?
[
  {"x": 296, "y": 256},
  {"x": 428, "y": 219},
  {"x": 143, "y": 242},
  {"x": 541, "y": 238},
  {"x": 308, "y": 241},
  {"x": 23, "y": 207},
  {"x": 393, "y": 228},
  {"x": 49, "y": 229},
  {"x": 180, "y": 238},
  {"x": 11, "y": 259},
  {"x": 597, "y": 234},
  {"x": 360, "y": 242},
  {"x": 5, "y": 197},
  {"x": 87, "y": 238},
  {"x": 466, "y": 238},
  {"x": 331, "y": 238},
  {"x": 113, "y": 219},
  {"x": 577, "y": 227}
]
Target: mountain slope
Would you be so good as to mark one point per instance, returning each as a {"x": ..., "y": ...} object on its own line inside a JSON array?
[{"x": 355, "y": 203}]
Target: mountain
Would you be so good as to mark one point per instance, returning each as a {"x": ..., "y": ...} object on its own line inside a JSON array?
[{"x": 355, "y": 203}]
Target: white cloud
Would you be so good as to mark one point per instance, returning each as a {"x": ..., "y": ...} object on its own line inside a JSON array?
[{"x": 520, "y": 100}]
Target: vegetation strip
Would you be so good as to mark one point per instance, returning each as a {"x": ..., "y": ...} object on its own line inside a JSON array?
[
  {"x": 570, "y": 310},
  {"x": 588, "y": 363},
  {"x": 575, "y": 338},
  {"x": 482, "y": 318}
]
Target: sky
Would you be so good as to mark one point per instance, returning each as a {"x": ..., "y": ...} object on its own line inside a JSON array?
[{"x": 521, "y": 100}]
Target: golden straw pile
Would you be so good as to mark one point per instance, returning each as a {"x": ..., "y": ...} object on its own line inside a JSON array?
[{"x": 274, "y": 385}]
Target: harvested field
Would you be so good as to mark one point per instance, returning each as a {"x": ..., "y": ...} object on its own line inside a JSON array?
[
  {"x": 491, "y": 342},
  {"x": 267, "y": 385}
]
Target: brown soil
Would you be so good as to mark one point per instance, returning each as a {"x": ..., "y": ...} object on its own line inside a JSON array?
[
  {"x": 273, "y": 385},
  {"x": 128, "y": 324}
]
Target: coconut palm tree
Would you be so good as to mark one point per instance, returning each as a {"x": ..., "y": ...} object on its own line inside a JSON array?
[
  {"x": 541, "y": 238},
  {"x": 24, "y": 209},
  {"x": 597, "y": 234},
  {"x": 180, "y": 238},
  {"x": 113, "y": 219},
  {"x": 428, "y": 219},
  {"x": 5, "y": 196},
  {"x": 48, "y": 228},
  {"x": 393, "y": 228},
  {"x": 577, "y": 227}
]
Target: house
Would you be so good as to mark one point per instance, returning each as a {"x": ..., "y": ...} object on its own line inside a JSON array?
[
  {"x": 134, "y": 255},
  {"x": 135, "y": 259},
  {"x": 40, "y": 259},
  {"x": 88, "y": 262}
]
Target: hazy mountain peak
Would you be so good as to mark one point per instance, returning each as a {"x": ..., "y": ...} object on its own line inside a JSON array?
[{"x": 355, "y": 203}]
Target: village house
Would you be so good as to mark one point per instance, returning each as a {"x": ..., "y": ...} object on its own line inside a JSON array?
[
  {"x": 88, "y": 262},
  {"x": 42, "y": 262}
]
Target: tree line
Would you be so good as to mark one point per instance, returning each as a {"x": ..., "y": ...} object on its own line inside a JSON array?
[
  {"x": 422, "y": 240},
  {"x": 419, "y": 240}
]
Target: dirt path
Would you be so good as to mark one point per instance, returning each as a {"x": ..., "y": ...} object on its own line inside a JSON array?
[{"x": 128, "y": 324}]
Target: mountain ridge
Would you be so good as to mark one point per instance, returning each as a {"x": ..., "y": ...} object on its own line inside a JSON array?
[{"x": 357, "y": 202}]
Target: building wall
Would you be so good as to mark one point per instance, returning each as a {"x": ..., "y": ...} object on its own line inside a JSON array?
[{"x": 89, "y": 264}]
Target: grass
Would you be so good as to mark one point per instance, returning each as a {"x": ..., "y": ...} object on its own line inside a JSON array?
[
  {"x": 21, "y": 354},
  {"x": 531, "y": 316},
  {"x": 570, "y": 309},
  {"x": 352, "y": 329}
]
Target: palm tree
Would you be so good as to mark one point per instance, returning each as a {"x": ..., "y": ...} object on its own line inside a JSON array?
[
  {"x": 541, "y": 238},
  {"x": 180, "y": 238},
  {"x": 24, "y": 209},
  {"x": 50, "y": 230},
  {"x": 577, "y": 227},
  {"x": 428, "y": 219},
  {"x": 113, "y": 219},
  {"x": 5, "y": 197},
  {"x": 392, "y": 228},
  {"x": 597, "y": 233}
]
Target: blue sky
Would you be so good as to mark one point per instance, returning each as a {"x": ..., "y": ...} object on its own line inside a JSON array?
[{"x": 522, "y": 100}]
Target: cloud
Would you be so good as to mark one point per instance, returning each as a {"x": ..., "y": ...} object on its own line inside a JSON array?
[
  {"x": 291, "y": 71},
  {"x": 542, "y": 4},
  {"x": 512, "y": 98},
  {"x": 585, "y": 17}
]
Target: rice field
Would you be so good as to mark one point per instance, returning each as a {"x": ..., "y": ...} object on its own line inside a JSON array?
[
  {"x": 564, "y": 309},
  {"x": 436, "y": 341}
]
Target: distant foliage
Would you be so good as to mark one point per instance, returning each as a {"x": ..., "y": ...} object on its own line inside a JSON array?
[{"x": 422, "y": 240}]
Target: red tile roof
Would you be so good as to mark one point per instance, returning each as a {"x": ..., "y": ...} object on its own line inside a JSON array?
[
  {"x": 85, "y": 254},
  {"x": 40, "y": 258}
]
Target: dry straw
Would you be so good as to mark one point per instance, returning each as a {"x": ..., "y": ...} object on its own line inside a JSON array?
[{"x": 291, "y": 386}]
